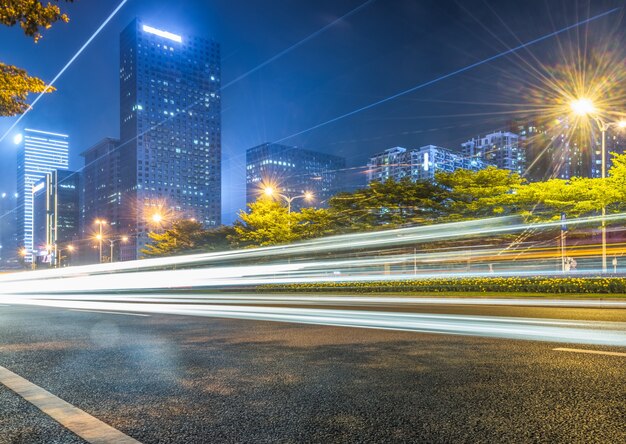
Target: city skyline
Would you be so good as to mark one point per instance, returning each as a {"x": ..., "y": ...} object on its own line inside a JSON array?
[{"x": 254, "y": 113}]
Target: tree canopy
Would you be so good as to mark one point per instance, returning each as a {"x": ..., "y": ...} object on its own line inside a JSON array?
[{"x": 186, "y": 236}]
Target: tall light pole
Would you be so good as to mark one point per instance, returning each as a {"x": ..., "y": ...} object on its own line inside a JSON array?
[
  {"x": 100, "y": 237},
  {"x": 586, "y": 107},
  {"x": 112, "y": 243},
  {"x": 69, "y": 248},
  {"x": 269, "y": 191}
]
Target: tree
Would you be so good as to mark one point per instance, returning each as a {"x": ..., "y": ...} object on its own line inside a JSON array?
[
  {"x": 186, "y": 236},
  {"x": 15, "y": 83},
  {"x": 268, "y": 222},
  {"x": 388, "y": 203},
  {"x": 484, "y": 193}
]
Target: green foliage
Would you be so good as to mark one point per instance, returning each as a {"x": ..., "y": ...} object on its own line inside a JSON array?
[
  {"x": 485, "y": 193},
  {"x": 187, "y": 236},
  {"x": 388, "y": 203},
  {"x": 548, "y": 285},
  {"x": 15, "y": 83},
  {"x": 267, "y": 222}
]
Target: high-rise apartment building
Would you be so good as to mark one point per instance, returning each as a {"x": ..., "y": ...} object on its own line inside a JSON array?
[
  {"x": 293, "y": 171},
  {"x": 40, "y": 152},
  {"x": 418, "y": 164},
  {"x": 170, "y": 128},
  {"x": 500, "y": 148},
  {"x": 393, "y": 163},
  {"x": 56, "y": 214}
]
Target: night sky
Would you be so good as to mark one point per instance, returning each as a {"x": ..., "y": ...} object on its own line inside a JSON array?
[{"x": 385, "y": 47}]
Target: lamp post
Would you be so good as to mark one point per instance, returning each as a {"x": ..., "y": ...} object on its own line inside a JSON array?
[
  {"x": 100, "y": 237},
  {"x": 585, "y": 107},
  {"x": 59, "y": 260},
  {"x": 269, "y": 191},
  {"x": 112, "y": 243}
]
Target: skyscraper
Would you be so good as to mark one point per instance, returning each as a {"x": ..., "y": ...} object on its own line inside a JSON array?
[
  {"x": 170, "y": 128},
  {"x": 40, "y": 152},
  {"x": 293, "y": 171},
  {"x": 56, "y": 213},
  {"x": 8, "y": 244}
]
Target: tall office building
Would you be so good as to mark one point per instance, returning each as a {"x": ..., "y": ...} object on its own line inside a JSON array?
[
  {"x": 500, "y": 148},
  {"x": 40, "y": 152},
  {"x": 56, "y": 214},
  {"x": 101, "y": 197},
  {"x": 8, "y": 242},
  {"x": 293, "y": 171},
  {"x": 170, "y": 128},
  {"x": 418, "y": 164}
]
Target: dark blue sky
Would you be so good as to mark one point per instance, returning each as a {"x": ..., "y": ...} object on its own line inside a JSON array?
[{"x": 386, "y": 47}]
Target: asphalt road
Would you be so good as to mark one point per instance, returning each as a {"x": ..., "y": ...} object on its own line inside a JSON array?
[{"x": 165, "y": 378}]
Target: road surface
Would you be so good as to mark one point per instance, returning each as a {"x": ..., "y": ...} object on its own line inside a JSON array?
[{"x": 169, "y": 378}]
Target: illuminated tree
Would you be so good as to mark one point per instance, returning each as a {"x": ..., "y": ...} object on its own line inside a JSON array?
[
  {"x": 268, "y": 222},
  {"x": 15, "y": 83},
  {"x": 187, "y": 236},
  {"x": 484, "y": 193},
  {"x": 388, "y": 203}
]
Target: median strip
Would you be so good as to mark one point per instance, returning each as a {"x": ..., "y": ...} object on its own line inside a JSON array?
[
  {"x": 591, "y": 352},
  {"x": 72, "y": 418}
]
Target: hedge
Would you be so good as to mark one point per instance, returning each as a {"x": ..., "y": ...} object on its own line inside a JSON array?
[{"x": 554, "y": 285}]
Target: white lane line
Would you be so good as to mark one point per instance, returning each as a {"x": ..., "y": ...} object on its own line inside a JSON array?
[
  {"x": 110, "y": 312},
  {"x": 72, "y": 418},
  {"x": 591, "y": 352},
  {"x": 4, "y": 305}
]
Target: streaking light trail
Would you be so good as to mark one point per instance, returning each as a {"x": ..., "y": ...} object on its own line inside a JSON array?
[
  {"x": 362, "y": 257},
  {"x": 581, "y": 332},
  {"x": 451, "y": 74}
]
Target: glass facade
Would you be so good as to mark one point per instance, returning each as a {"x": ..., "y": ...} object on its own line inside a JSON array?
[
  {"x": 40, "y": 152},
  {"x": 8, "y": 243},
  {"x": 170, "y": 128},
  {"x": 293, "y": 171},
  {"x": 56, "y": 211}
]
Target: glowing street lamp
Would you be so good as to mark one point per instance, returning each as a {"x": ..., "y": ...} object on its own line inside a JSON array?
[
  {"x": 585, "y": 107},
  {"x": 582, "y": 106},
  {"x": 269, "y": 191},
  {"x": 99, "y": 236},
  {"x": 122, "y": 239}
]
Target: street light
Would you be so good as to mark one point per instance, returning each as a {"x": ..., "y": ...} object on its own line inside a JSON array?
[
  {"x": 269, "y": 191},
  {"x": 100, "y": 237},
  {"x": 59, "y": 260},
  {"x": 584, "y": 107},
  {"x": 123, "y": 239}
]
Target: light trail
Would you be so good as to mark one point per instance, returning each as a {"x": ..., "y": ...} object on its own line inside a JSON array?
[
  {"x": 301, "y": 263},
  {"x": 451, "y": 74},
  {"x": 535, "y": 329},
  {"x": 67, "y": 65}
]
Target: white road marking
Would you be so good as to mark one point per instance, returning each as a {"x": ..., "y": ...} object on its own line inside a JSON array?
[
  {"x": 72, "y": 418},
  {"x": 592, "y": 352},
  {"x": 4, "y": 305},
  {"x": 110, "y": 312}
]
